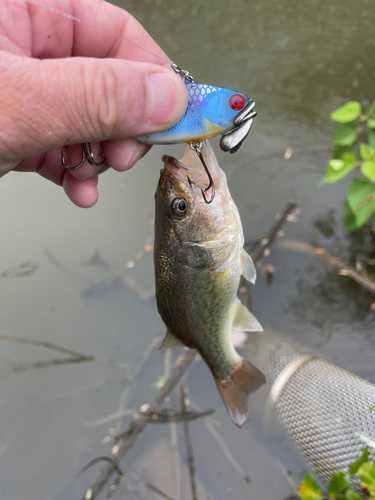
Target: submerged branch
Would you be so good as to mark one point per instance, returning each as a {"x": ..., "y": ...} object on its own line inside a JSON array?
[
  {"x": 336, "y": 263},
  {"x": 157, "y": 491},
  {"x": 25, "y": 269},
  {"x": 135, "y": 372},
  {"x": 209, "y": 422},
  {"x": 268, "y": 239},
  {"x": 47, "y": 345},
  {"x": 171, "y": 415},
  {"x": 189, "y": 448},
  {"x": 130, "y": 436}
]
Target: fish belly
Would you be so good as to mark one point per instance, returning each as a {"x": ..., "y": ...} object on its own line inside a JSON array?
[{"x": 197, "y": 308}]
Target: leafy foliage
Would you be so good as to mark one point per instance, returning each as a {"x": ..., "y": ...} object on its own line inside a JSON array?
[
  {"x": 354, "y": 146},
  {"x": 339, "y": 486}
]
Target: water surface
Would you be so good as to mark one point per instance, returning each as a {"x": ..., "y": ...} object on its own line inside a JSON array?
[{"x": 298, "y": 61}]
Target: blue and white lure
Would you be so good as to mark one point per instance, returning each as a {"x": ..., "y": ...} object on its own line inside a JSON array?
[{"x": 211, "y": 111}]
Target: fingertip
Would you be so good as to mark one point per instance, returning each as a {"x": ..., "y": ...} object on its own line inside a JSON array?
[
  {"x": 168, "y": 97},
  {"x": 122, "y": 154},
  {"x": 84, "y": 194}
]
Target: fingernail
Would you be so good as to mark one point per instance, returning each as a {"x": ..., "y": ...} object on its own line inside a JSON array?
[{"x": 168, "y": 98}]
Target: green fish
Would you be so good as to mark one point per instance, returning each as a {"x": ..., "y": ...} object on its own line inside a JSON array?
[{"x": 199, "y": 258}]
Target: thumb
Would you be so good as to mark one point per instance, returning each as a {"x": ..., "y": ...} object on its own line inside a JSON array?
[{"x": 54, "y": 102}]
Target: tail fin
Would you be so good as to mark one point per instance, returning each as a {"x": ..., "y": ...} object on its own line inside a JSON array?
[{"x": 236, "y": 389}]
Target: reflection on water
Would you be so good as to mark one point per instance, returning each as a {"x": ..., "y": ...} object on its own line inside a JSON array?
[{"x": 298, "y": 61}]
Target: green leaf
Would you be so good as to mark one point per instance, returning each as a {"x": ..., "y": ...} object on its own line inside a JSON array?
[
  {"x": 358, "y": 193},
  {"x": 367, "y": 474},
  {"x": 371, "y": 123},
  {"x": 336, "y": 164},
  {"x": 339, "y": 481},
  {"x": 371, "y": 109},
  {"x": 338, "y": 152},
  {"x": 361, "y": 201},
  {"x": 362, "y": 459},
  {"x": 368, "y": 170},
  {"x": 349, "y": 218},
  {"x": 347, "y": 113},
  {"x": 309, "y": 490},
  {"x": 366, "y": 151},
  {"x": 334, "y": 175},
  {"x": 371, "y": 138},
  {"x": 345, "y": 135},
  {"x": 351, "y": 494},
  {"x": 351, "y": 157}
]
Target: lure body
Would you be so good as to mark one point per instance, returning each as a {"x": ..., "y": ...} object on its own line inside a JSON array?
[{"x": 211, "y": 111}]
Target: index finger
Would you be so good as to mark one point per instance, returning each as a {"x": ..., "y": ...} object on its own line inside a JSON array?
[{"x": 86, "y": 28}]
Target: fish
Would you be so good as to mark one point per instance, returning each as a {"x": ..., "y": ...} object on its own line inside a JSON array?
[
  {"x": 210, "y": 111},
  {"x": 198, "y": 260}
]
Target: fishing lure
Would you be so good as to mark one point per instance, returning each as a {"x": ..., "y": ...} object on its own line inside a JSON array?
[{"x": 211, "y": 111}]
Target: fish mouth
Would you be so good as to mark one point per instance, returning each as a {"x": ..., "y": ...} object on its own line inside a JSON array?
[
  {"x": 174, "y": 167},
  {"x": 190, "y": 171},
  {"x": 231, "y": 141}
]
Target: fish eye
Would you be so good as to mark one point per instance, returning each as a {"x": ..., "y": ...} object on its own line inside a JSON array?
[
  {"x": 178, "y": 207},
  {"x": 236, "y": 101}
]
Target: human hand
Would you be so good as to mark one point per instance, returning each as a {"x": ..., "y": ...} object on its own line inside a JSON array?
[{"x": 108, "y": 93}]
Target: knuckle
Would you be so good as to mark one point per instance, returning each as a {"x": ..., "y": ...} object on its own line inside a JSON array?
[
  {"x": 101, "y": 99},
  {"x": 15, "y": 103}
]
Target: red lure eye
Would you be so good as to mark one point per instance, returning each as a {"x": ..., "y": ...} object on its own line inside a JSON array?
[{"x": 236, "y": 101}]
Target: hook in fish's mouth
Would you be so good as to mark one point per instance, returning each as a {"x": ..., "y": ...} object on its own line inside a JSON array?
[
  {"x": 186, "y": 173},
  {"x": 232, "y": 140}
]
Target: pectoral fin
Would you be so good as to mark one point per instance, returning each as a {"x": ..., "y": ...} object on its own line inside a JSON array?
[
  {"x": 170, "y": 341},
  {"x": 247, "y": 267},
  {"x": 236, "y": 389},
  {"x": 243, "y": 319}
]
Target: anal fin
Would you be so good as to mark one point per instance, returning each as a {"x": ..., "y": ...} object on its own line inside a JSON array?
[
  {"x": 236, "y": 389},
  {"x": 170, "y": 341},
  {"x": 243, "y": 320}
]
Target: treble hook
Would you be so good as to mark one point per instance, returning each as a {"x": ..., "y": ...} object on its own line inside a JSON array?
[
  {"x": 87, "y": 153},
  {"x": 196, "y": 146}
]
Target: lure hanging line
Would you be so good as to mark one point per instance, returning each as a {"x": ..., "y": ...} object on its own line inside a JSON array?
[{"x": 196, "y": 146}]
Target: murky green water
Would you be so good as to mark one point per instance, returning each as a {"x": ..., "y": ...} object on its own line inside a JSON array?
[{"x": 298, "y": 61}]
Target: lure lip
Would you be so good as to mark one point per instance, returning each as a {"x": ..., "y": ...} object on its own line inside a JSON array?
[
  {"x": 245, "y": 114},
  {"x": 231, "y": 141}
]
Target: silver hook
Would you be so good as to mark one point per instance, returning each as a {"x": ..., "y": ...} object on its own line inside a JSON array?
[
  {"x": 196, "y": 146},
  {"x": 88, "y": 154}
]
